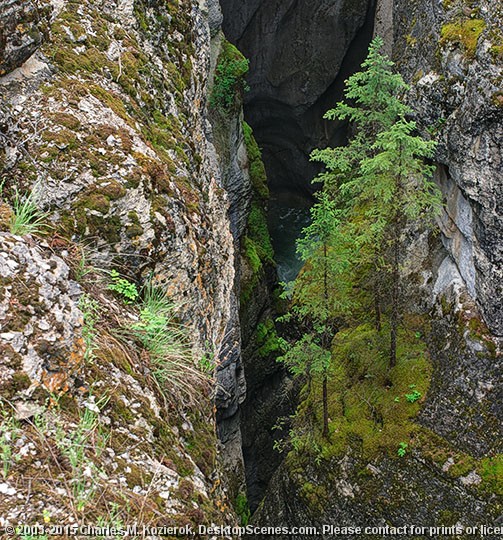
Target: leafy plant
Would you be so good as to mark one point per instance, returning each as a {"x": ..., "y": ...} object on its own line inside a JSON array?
[
  {"x": 242, "y": 509},
  {"x": 413, "y": 396},
  {"x": 402, "y": 449},
  {"x": 123, "y": 287},
  {"x": 229, "y": 81},
  {"x": 113, "y": 520},
  {"x": 207, "y": 363}
]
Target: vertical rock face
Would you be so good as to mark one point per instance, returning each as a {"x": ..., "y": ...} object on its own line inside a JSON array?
[
  {"x": 120, "y": 147},
  {"x": 106, "y": 121},
  {"x": 452, "y": 55},
  {"x": 40, "y": 323},
  {"x": 300, "y": 53}
]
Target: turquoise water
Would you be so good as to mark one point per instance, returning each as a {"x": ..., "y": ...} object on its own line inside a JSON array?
[{"x": 288, "y": 215}]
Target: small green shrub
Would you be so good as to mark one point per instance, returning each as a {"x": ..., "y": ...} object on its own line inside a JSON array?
[
  {"x": 268, "y": 340},
  {"x": 229, "y": 84},
  {"x": 123, "y": 287},
  {"x": 242, "y": 509},
  {"x": 413, "y": 396}
]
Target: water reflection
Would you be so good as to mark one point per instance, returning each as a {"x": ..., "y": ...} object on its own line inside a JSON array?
[{"x": 288, "y": 215}]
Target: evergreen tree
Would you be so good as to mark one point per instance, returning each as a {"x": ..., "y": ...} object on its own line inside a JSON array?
[
  {"x": 371, "y": 105},
  {"x": 399, "y": 190},
  {"x": 379, "y": 180},
  {"x": 320, "y": 293}
]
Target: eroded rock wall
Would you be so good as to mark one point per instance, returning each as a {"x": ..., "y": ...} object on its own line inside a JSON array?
[
  {"x": 451, "y": 53},
  {"x": 300, "y": 53},
  {"x": 105, "y": 122}
]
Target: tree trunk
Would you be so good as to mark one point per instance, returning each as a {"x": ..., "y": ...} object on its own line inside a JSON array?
[
  {"x": 325, "y": 407},
  {"x": 395, "y": 293},
  {"x": 377, "y": 309}
]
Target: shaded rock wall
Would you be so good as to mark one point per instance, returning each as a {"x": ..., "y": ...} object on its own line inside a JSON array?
[
  {"x": 394, "y": 493},
  {"x": 300, "y": 53},
  {"x": 125, "y": 160},
  {"x": 455, "y": 95},
  {"x": 22, "y": 29}
]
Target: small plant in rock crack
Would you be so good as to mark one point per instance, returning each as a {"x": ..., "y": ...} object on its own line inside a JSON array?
[
  {"x": 167, "y": 343},
  {"x": 402, "y": 449},
  {"x": 123, "y": 287},
  {"x": 112, "y": 521},
  {"x": 9, "y": 432},
  {"x": 27, "y": 218}
]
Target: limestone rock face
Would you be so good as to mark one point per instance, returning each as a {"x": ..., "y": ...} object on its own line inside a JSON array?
[
  {"x": 456, "y": 94},
  {"x": 106, "y": 120},
  {"x": 40, "y": 322},
  {"x": 287, "y": 100},
  {"x": 22, "y": 27},
  {"x": 455, "y": 89},
  {"x": 403, "y": 492}
]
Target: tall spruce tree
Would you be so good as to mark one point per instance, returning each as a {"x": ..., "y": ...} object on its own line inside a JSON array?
[
  {"x": 379, "y": 179},
  {"x": 371, "y": 105},
  {"x": 398, "y": 191},
  {"x": 320, "y": 294}
]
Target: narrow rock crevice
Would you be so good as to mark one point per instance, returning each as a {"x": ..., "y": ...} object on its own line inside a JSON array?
[{"x": 292, "y": 81}]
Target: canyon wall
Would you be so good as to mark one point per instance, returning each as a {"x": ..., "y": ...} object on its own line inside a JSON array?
[
  {"x": 300, "y": 54},
  {"x": 450, "y": 54},
  {"x": 104, "y": 120}
]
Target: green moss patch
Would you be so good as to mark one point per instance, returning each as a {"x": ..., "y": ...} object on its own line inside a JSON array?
[
  {"x": 258, "y": 175},
  {"x": 370, "y": 405},
  {"x": 463, "y": 32}
]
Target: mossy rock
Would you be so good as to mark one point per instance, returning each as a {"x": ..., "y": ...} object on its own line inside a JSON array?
[
  {"x": 463, "y": 32},
  {"x": 258, "y": 175}
]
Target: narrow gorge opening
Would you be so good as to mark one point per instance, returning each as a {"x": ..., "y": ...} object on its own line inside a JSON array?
[{"x": 300, "y": 54}]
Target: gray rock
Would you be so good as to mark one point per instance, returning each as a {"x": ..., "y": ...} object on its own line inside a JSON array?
[
  {"x": 215, "y": 16},
  {"x": 293, "y": 80},
  {"x": 455, "y": 96},
  {"x": 21, "y": 31},
  {"x": 51, "y": 353}
]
